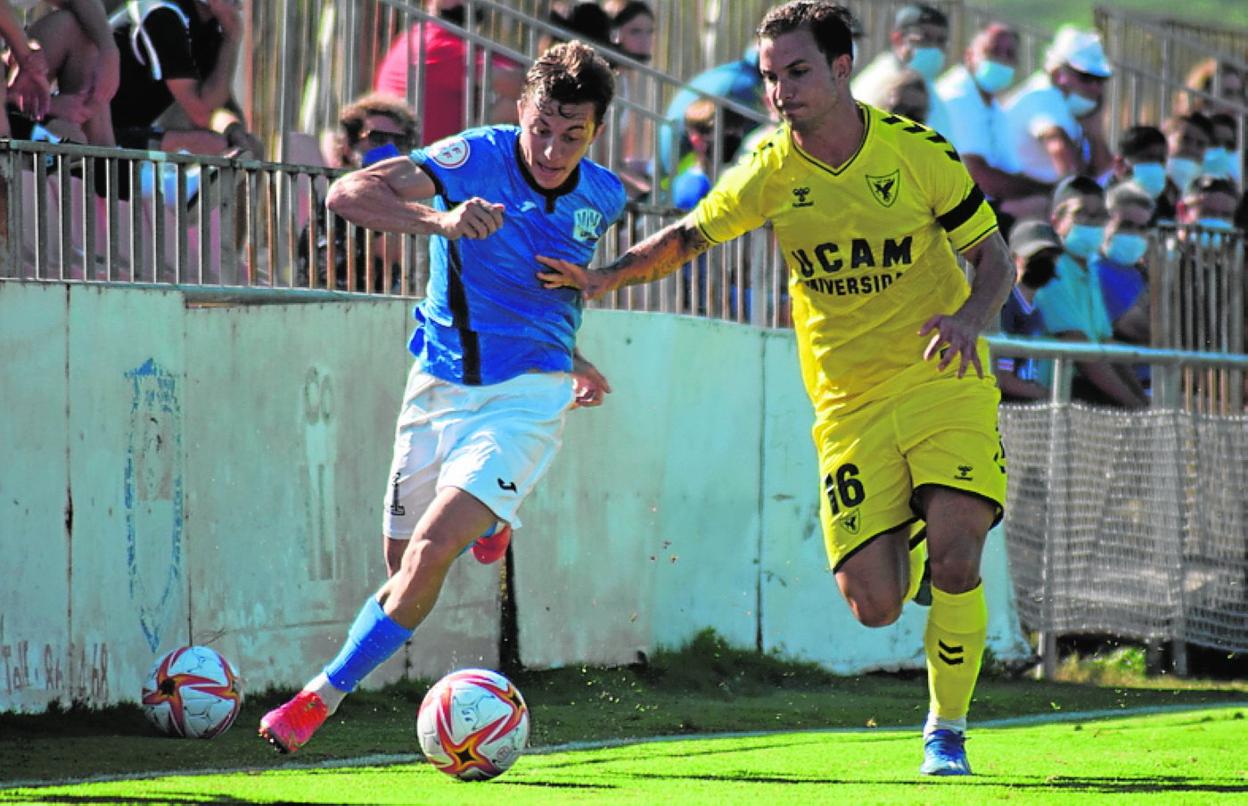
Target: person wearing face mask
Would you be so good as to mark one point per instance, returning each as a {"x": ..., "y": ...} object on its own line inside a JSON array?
[
  {"x": 1120, "y": 269},
  {"x": 1210, "y": 204},
  {"x": 1053, "y": 128},
  {"x": 918, "y": 40},
  {"x": 1187, "y": 138},
  {"x": 978, "y": 125},
  {"x": 1035, "y": 247},
  {"x": 1072, "y": 305},
  {"x": 443, "y": 101},
  {"x": 1141, "y": 159},
  {"x": 1222, "y": 157},
  {"x": 632, "y": 34}
]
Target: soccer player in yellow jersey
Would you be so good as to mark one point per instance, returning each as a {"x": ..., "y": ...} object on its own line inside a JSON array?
[{"x": 868, "y": 208}]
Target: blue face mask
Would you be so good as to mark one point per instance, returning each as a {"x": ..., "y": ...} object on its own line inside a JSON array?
[
  {"x": 927, "y": 62},
  {"x": 1219, "y": 162},
  {"x": 992, "y": 77},
  {"x": 1219, "y": 226},
  {"x": 1079, "y": 105},
  {"x": 1182, "y": 171},
  {"x": 1083, "y": 240},
  {"x": 1150, "y": 176},
  {"x": 1126, "y": 248}
]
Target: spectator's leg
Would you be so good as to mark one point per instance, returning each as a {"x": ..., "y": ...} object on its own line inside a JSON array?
[{"x": 196, "y": 141}]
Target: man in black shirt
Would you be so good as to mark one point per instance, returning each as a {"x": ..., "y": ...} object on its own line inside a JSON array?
[{"x": 183, "y": 53}]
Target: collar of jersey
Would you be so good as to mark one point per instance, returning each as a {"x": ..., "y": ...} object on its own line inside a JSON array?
[
  {"x": 862, "y": 146},
  {"x": 552, "y": 194}
]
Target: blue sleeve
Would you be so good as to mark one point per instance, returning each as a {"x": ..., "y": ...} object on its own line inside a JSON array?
[{"x": 464, "y": 165}]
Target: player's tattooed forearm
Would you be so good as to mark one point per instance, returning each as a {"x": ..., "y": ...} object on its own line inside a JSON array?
[{"x": 692, "y": 241}]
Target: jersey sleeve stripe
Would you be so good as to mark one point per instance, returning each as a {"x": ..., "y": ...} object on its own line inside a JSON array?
[
  {"x": 973, "y": 241},
  {"x": 707, "y": 235},
  {"x": 962, "y": 213}
]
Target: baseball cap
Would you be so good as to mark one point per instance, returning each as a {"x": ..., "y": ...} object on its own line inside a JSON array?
[
  {"x": 917, "y": 14},
  {"x": 1031, "y": 235},
  {"x": 1080, "y": 50}
]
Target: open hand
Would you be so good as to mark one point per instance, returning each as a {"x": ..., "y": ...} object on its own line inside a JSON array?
[{"x": 957, "y": 338}]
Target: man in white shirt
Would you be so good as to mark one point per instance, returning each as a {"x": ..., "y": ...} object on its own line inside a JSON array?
[
  {"x": 918, "y": 39},
  {"x": 978, "y": 125},
  {"x": 1054, "y": 128}
]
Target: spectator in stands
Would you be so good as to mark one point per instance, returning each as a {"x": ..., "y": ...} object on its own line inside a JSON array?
[
  {"x": 1053, "y": 125},
  {"x": 1071, "y": 304},
  {"x": 632, "y": 34},
  {"x": 443, "y": 111},
  {"x": 1222, "y": 157},
  {"x": 1214, "y": 78},
  {"x": 1119, "y": 265},
  {"x": 1141, "y": 159},
  {"x": 370, "y": 129},
  {"x": 1187, "y": 137},
  {"x": 737, "y": 80},
  {"x": 179, "y": 54},
  {"x": 1035, "y": 247},
  {"x": 905, "y": 94},
  {"x": 694, "y": 182},
  {"x": 1210, "y": 203},
  {"x": 918, "y": 40},
  {"x": 587, "y": 21},
  {"x": 30, "y": 88},
  {"x": 78, "y": 55},
  {"x": 977, "y": 124}
]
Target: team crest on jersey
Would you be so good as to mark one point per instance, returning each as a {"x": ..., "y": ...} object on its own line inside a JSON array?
[
  {"x": 885, "y": 188},
  {"x": 852, "y": 521},
  {"x": 450, "y": 153},
  {"x": 588, "y": 223}
]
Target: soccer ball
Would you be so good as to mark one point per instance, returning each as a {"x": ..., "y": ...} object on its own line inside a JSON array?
[
  {"x": 192, "y": 692},
  {"x": 473, "y": 724}
]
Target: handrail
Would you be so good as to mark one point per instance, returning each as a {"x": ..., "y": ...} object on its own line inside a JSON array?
[{"x": 1113, "y": 353}]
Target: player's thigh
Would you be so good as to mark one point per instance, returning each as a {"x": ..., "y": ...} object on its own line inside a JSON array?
[
  {"x": 957, "y": 463},
  {"x": 510, "y": 442},
  {"x": 874, "y": 578},
  {"x": 865, "y": 484},
  {"x": 420, "y": 446}
]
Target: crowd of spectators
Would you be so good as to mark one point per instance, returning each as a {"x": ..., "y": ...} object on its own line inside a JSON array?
[{"x": 1082, "y": 214}]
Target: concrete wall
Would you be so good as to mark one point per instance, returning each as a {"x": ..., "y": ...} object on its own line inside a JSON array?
[{"x": 176, "y": 473}]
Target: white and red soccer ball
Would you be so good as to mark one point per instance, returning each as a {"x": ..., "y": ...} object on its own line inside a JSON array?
[
  {"x": 192, "y": 692},
  {"x": 473, "y": 724}
]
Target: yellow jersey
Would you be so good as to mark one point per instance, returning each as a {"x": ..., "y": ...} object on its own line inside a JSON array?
[{"x": 869, "y": 248}]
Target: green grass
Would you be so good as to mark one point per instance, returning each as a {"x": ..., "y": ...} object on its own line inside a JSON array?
[
  {"x": 706, "y": 687},
  {"x": 1191, "y": 757}
]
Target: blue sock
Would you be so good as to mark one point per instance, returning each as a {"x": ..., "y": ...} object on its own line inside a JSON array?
[{"x": 373, "y": 638}]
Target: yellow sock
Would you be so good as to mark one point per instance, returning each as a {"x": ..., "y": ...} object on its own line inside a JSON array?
[
  {"x": 918, "y": 556},
  {"x": 954, "y": 642}
]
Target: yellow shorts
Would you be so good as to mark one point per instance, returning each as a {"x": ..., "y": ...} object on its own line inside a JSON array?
[{"x": 871, "y": 461}]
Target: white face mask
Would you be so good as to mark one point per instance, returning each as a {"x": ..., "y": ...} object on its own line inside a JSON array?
[
  {"x": 1221, "y": 162},
  {"x": 1126, "y": 248},
  {"x": 1182, "y": 171},
  {"x": 992, "y": 77},
  {"x": 1080, "y": 106},
  {"x": 1083, "y": 240}
]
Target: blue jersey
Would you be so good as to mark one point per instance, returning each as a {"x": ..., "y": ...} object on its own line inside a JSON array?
[{"x": 486, "y": 317}]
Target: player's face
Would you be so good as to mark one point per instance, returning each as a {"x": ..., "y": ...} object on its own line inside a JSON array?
[
  {"x": 799, "y": 82},
  {"x": 554, "y": 138}
]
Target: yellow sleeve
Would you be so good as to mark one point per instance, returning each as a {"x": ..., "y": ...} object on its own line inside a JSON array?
[
  {"x": 959, "y": 204},
  {"x": 734, "y": 206}
]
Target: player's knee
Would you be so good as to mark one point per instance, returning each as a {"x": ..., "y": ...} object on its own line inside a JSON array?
[
  {"x": 875, "y": 610},
  {"x": 956, "y": 571}
]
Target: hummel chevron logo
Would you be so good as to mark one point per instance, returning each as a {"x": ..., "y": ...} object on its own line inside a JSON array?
[
  {"x": 509, "y": 486},
  {"x": 951, "y": 655}
]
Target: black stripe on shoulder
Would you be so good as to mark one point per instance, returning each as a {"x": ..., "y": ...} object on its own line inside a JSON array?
[{"x": 962, "y": 213}]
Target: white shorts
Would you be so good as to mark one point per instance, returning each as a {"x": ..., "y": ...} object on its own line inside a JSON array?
[{"x": 493, "y": 442}]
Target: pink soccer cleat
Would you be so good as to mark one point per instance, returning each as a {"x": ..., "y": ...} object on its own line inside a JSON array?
[
  {"x": 289, "y": 727},
  {"x": 490, "y": 548}
]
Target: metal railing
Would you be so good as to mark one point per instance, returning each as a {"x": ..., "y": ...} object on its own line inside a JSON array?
[
  {"x": 1168, "y": 571},
  {"x": 93, "y": 214}
]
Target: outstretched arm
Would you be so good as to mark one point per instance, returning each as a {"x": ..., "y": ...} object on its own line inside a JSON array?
[
  {"x": 960, "y": 330},
  {"x": 652, "y": 259},
  {"x": 384, "y": 197}
]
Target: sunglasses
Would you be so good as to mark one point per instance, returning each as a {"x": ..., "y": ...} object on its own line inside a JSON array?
[{"x": 380, "y": 138}]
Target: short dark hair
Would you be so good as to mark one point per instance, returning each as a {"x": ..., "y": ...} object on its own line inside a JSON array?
[
  {"x": 355, "y": 114},
  {"x": 1196, "y": 119},
  {"x": 828, "y": 23},
  {"x": 571, "y": 73},
  {"x": 629, "y": 12},
  {"x": 1138, "y": 139},
  {"x": 1074, "y": 187}
]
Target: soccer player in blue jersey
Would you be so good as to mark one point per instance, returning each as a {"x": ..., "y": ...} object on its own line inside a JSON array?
[{"x": 496, "y": 365}]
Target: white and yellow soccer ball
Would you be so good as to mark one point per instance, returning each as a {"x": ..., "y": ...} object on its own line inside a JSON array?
[
  {"x": 192, "y": 692},
  {"x": 473, "y": 724}
]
